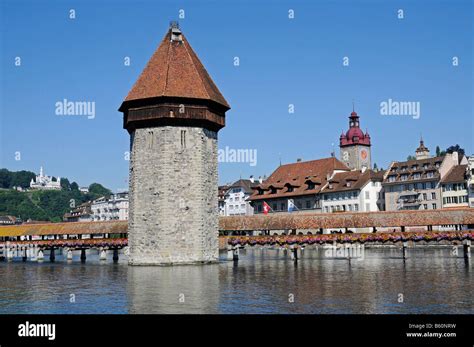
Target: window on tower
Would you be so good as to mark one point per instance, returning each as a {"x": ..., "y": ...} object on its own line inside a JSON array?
[{"x": 183, "y": 139}]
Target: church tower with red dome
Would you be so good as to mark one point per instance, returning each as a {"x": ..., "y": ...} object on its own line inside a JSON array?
[{"x": 355, "y": 145}]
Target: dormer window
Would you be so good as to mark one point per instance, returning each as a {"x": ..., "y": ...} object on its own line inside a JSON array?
[
  {"x": 290, "y": 189},
  {"x": 311, "y": 185},
  {"x": 273, "y": 190},
  {"x": 330, "y": 186},
  {"x": 348, "y": 184}
]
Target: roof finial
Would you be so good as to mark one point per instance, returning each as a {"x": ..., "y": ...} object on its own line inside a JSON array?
[
  {"x": 174, "y": 24},
  {"x": 175, "y": 32}
]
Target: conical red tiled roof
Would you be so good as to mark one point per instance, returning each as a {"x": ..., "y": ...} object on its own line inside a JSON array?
[{"x": 174, "y": 70}]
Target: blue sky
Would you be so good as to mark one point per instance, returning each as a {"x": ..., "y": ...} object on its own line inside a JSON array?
[{"x": 282, "y": 61}]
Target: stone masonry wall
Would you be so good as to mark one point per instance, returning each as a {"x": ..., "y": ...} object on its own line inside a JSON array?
[{"x": 173, "y": 216}]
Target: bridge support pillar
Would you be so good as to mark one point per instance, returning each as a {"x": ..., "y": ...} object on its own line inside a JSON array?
[
  {"x": 405, "y": 245},
  {"x": 52, "y": 256},
  {"x": 83, "y": 255},
  {"x": 230, "y": 252},
  {"x": 467, "y": 249},
  {"x": 347, "y": 247},
  {"x": 40, "y": 256},
  {"x": 294, "y": 253},
  {"x": 103, "y": 254},
  {"x": 235, "y": 254},
  {"x": 9, "y": 254},
  {"x": 115, "y": 257},
  {"x": 25, "y": 255}
]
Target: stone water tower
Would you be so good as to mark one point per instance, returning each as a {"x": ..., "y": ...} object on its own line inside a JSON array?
[{"x": 173, "y": 114}]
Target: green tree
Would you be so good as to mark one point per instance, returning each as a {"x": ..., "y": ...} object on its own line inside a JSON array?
[
  {"x": 411, "y": 157},
  {"x": 9, "y": 179},
  {"x": 5, "y": 178},
  {"x": 456, "y": 148},
  {"x": 22, "y": 178},
  {"x": 74, "y": 186},
  {"x": 65, "y": 184},
  {"x": 97, "y": 190}
]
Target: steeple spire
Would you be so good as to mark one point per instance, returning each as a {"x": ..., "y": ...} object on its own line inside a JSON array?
[{"x": 422, "y": 152}]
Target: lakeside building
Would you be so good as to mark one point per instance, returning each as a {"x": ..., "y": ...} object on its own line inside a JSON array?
[
  {"x": 415, "y": 184},
  {"x": 298, "y": 183},
  {"x": 470, "y": 180},
  {"x": 454, "y": 187},
  {"x": 354, "y": 191},
  {"x": 9, "y": 220},
  {"x": 82, "y": 213},
  {"x": 45, "y": 182},
  {"x": 113, "y": 208},
  {"x": 236, "y": 201},
  {"x": 221, "y": 190}
]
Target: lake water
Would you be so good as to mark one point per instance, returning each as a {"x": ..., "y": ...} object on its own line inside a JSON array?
[{"x": 431, "y": 280}]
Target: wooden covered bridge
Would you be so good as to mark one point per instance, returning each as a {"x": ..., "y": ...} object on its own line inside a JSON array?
[{"x": 20, "y": 240}]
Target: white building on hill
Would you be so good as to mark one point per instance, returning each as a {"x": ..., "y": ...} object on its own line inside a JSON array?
[{"x": 45, "y": 182}]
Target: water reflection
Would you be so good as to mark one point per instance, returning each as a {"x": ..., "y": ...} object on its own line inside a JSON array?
[
  {"x": 431, "y": 280},
  {"x": 173, "y": 289}
]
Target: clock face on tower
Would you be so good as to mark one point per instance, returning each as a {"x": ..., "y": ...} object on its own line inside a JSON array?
[{"x": 363, "y": 155}]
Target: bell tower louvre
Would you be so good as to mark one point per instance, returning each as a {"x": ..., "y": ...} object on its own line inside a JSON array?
[
  {"x": 355, "y": 145},
  {"x": 173, "y": 114}
]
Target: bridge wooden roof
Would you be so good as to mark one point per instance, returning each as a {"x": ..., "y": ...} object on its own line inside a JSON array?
[
  {"x": 71, "y": 228},
  {"x": 315, "y": 220},
  {"x": 275, "y": 221}
]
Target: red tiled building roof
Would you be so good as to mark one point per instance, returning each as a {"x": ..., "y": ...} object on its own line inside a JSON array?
[
  {"x": 352, "y": 180},
  {"x": 414, "y": 170},
  {"x": 457, "y": 173},
  {"x": 174, "y": 70},
  {"x": 174, "y": 89},
  {"x": 292, "y": 179}
]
